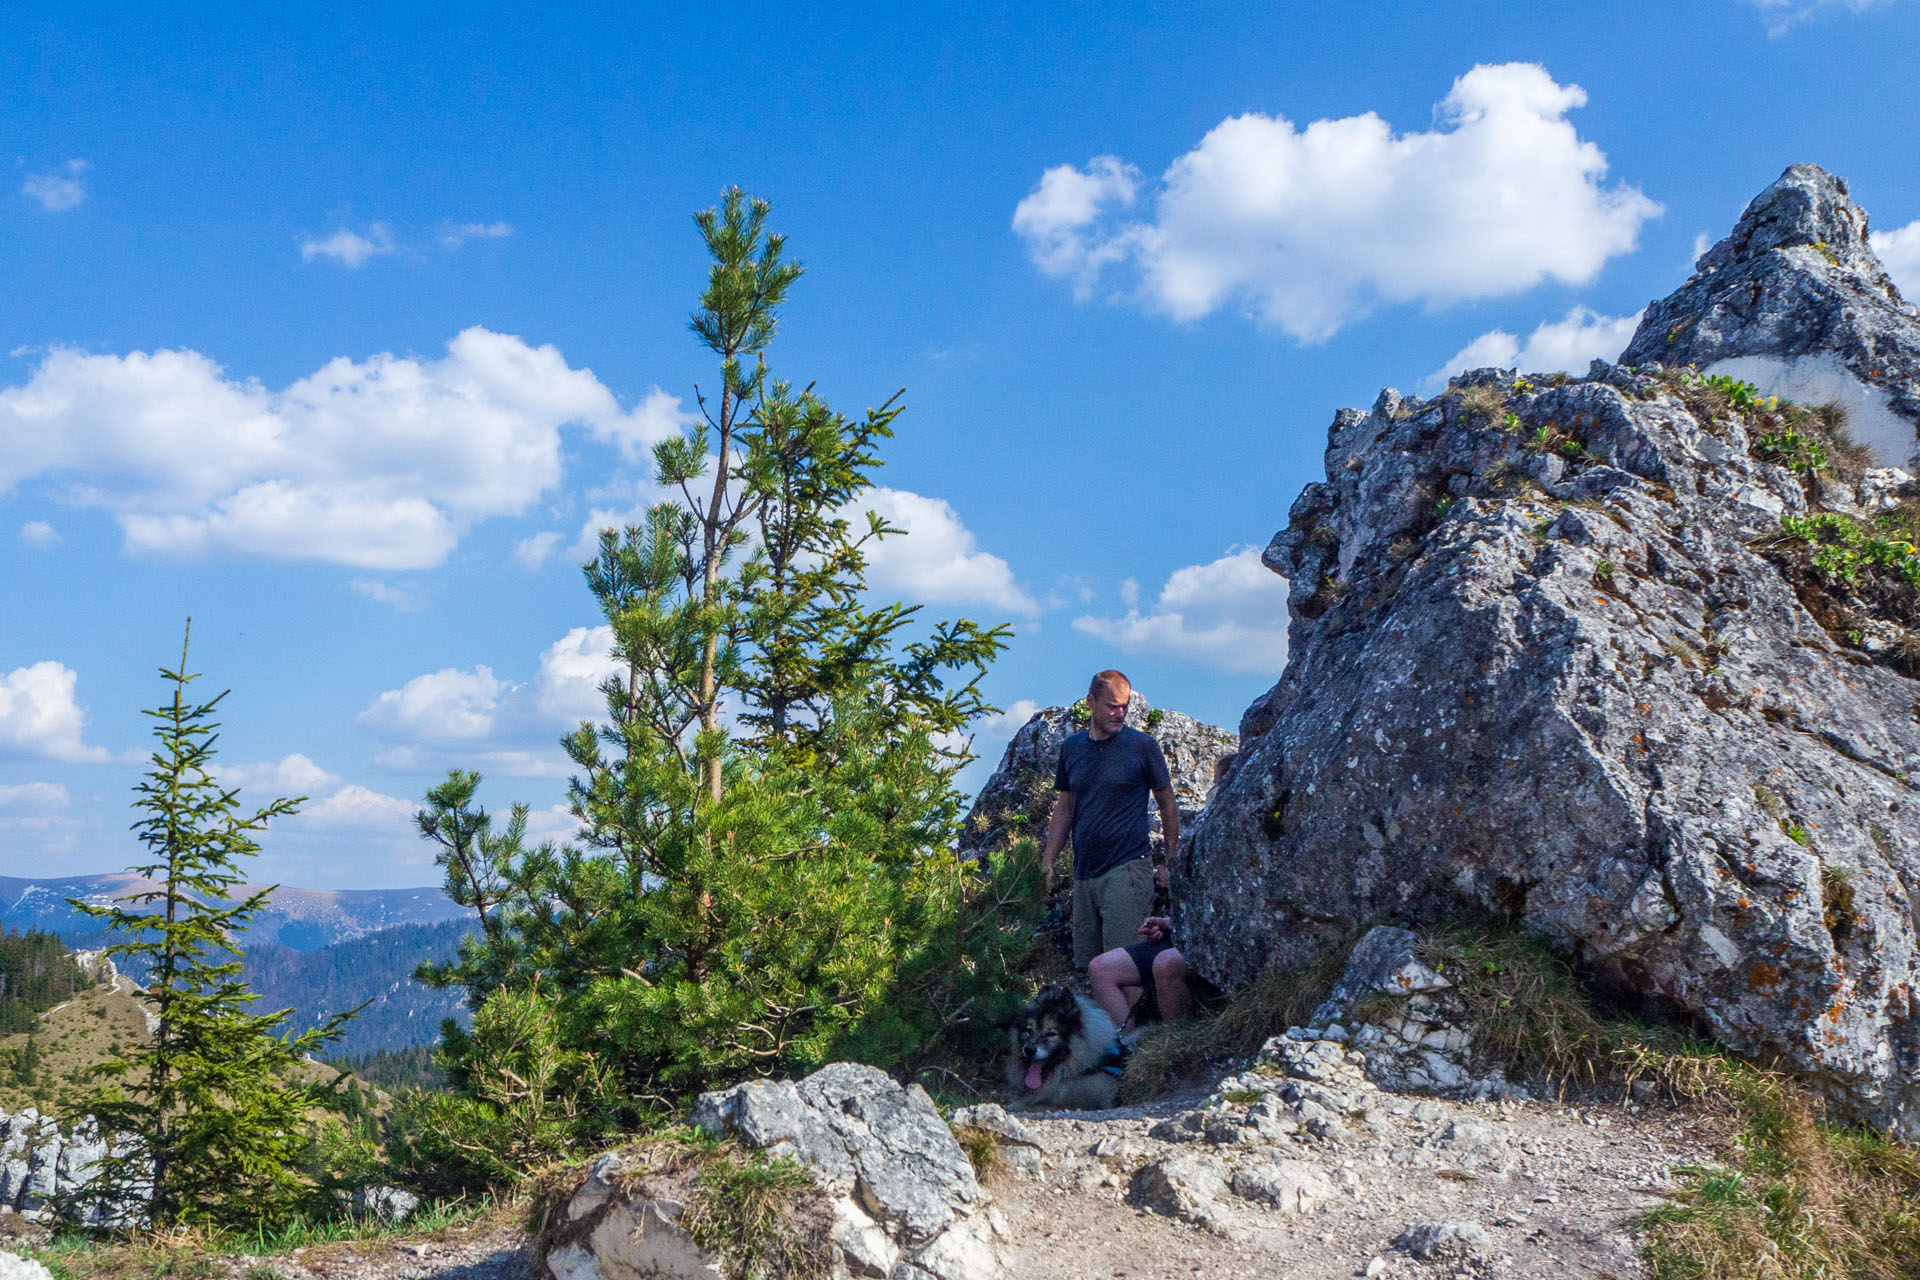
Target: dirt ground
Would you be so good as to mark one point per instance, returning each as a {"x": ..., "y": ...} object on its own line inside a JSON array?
[{"x": 1556, "y": 1188}]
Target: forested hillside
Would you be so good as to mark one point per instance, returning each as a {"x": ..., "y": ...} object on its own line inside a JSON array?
[
  {"x": 36, "y": 973},
  {"x": 377, "y": 967}
]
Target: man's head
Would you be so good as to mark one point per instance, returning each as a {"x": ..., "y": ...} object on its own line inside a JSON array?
[{"x": 1107, "y": 699}]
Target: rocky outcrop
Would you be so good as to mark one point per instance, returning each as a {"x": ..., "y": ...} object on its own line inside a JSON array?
[
  {"x": 44, "y": 1173},
  {"x": 897, "y": 1195},
  {"x": 1553, "y": 658},
  {"x": 1796, "y": 301},
  {"x": 1017, "y": 799}
]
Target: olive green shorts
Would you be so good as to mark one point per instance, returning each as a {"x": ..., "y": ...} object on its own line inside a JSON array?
[{"x": 1108, "y": 909}]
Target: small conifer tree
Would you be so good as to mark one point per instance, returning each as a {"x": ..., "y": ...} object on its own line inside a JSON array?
[
  {"x": 205, "y": 1119},
  {"x": 762, "y": 875}
]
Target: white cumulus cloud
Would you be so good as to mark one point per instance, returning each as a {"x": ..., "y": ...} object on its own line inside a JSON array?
[
  {"x": 936, "y": 559},
  {"x": 1229, "y": 614},
  {"x": 401, "y": 598},
  {"x": 58, "y": 191},
  {"x": 555, "y": 823},
  {"x": 1899, "y": 253},
  {"x": 533, "y": 550},
  {"x": 39, "y": 534},
  {"x": 380, "y": 464},
  {"x": 1309, "y": 229},
  {"x": 453, "y": 235},
  {"x": 1565, "y": 345},
  {"x": 360, "y": 808},
  {"x": 658, "y": 416},
  {"x": 38, "y": 714},
  {"x": 571, "y": 671},
  {"x": 349, "y": 248},
  {"x": 292, "y": 775},
  {"x": 1058, "y": 219},
  {"x": 1782, "y": 16},
  {"x": 36, "y": 797},
  {"x": 449, "y": 705}
]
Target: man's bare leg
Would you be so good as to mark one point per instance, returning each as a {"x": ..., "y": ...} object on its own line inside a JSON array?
[
  {"x": 1170, "y": 984},
  {"x": 1116, "y": 983}
]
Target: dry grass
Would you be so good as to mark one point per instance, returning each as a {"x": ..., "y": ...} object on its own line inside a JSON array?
[
  {"x": 1278, "y": 999},
  {"x": 761, "y": 1219},
  {"x": 983, "y": 1151},
  {"x": 1801, "y": 1200},
  {"x": 71, "y": 1038},
  {"x": 1483, "y": 403}
]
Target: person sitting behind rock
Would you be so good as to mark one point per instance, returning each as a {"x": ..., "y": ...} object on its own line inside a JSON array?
[{"x": 1145, "y": 981}]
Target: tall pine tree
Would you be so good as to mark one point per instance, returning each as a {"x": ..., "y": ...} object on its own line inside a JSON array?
[{"x": 208, "y": 1120}]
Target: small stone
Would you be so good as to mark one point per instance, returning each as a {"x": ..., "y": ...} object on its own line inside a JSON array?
[
  {"x": 1469, "y": 1135},
  {"x": 1183, "y": 1186},
  {"x": 1290, "y": 1186},
  {"x": 1444, "y": 1241}
]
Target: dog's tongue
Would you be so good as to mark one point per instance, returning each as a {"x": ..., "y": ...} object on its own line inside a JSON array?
[{"x": 1034, "y": 1078}]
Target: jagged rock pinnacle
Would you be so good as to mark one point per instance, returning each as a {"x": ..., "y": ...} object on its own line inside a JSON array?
[{"x": 1795, "y": 301}]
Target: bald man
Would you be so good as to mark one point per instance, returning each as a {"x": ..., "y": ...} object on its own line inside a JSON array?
[{"x": 1105, "y": 775}]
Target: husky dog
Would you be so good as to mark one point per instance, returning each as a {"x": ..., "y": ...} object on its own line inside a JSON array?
[{"x": 1060, "y": 1053}]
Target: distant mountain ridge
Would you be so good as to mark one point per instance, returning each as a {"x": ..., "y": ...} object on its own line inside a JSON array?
[
  {"x": 300, "y": 919},
  {"x": 377, "y": 967}
]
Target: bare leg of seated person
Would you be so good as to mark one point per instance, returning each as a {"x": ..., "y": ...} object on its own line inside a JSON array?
[
  {"x": 1170, "y": 983},
  {"x": 1116, "y": 983}
]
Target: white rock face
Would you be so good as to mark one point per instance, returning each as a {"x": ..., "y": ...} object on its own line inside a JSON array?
[{"x": 15, "y": 1267}]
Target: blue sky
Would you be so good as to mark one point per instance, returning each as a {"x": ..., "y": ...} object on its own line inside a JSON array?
[{"x": 336, "y": 329}]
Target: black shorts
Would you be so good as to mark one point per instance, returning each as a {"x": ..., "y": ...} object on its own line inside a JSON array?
[{"x": 1147, "y": 1008}]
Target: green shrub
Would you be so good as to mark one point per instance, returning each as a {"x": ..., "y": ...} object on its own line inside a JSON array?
[{"x": 1846, "y": 549}]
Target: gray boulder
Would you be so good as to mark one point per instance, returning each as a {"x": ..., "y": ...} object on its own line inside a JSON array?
[
  {"x": 388, "y": 1205},
  {"x": 1550, "y": 659},
  {"x": 1795, "y": 301},
  {"x": 1017, "y": 799},
  {"x": 861, "y": 1133},
  {"x": 897, "y": 1197}
]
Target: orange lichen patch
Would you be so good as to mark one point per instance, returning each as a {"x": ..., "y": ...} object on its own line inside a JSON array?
[{"x": 1764, "y": 977}]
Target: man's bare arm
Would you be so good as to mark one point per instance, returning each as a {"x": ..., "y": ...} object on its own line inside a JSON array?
[
  {"x": 1169, "y": 820},
  {"x": 1058, "y": 828}
]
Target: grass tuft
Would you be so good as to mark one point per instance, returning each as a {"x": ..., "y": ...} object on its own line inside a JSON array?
[
  {"x": 983, "y": 1150},
  {"x": 756, "y": 1216}
]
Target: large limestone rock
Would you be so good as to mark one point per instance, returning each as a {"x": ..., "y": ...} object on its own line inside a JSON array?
[
  {"x": 1796, "y": 301},
  {"x": 896, "y": 1195},
  {"x": 1571, "y": 685},
  {"x": 44, "y": 1173},
  {"x": 1018, "y": 798}
]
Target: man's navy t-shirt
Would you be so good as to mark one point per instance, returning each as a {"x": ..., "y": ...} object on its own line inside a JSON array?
[{"x": 1110, "y": 779}]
